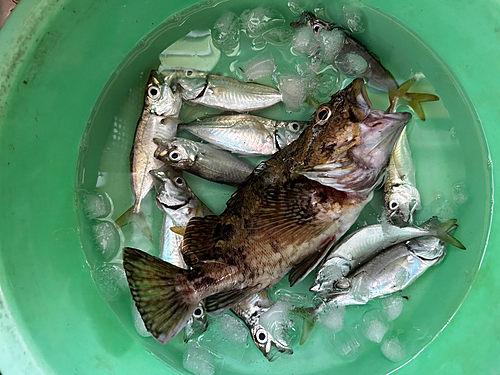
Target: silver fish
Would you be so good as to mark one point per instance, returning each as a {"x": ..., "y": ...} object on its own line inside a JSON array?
[
  {"x": 180, "y": 204},
  {"x": 246, "y": 134},
  {"x": 401, "y": 196},
  {"x": 158, "y": 119},
  {"x": 249, "y": 311},
  {"x": 354, "y": 59},
  {"x": 203, "y": 160},
  {"x": 365, "y": 243},
  {"x": 224, "y": 92}
]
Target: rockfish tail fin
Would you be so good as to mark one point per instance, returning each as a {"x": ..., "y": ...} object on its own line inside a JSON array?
[
  {"x": 161, "y": 291},
  {"x": 444, "y": 230},
  {"x": 138, "y": 218}
]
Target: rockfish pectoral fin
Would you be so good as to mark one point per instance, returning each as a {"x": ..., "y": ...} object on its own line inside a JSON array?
[
  {"x": 138, "y": 218},
  {"x": 200, "y": 236},
  {"x": 301, "y": 270},
  {"x": 161, "y": 293}
]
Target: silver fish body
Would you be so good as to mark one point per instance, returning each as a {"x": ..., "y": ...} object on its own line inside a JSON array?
[
  {"x": 246, "y": 134},
  {"x": 367, "y": 242},
  {"x": 390, "y": 271},
  {"x": 203, "y": 160},
  {"x": 224, "y": 92},
  {"x": 249, "y": 311},
  {"x": 158, "y": 120},
  {"x": 179, "y": 204},
  {"x": 401, "y": 196}
]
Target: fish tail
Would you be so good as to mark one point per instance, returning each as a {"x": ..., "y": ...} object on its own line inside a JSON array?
[
  {"x": 138, "y": 218},
  {"x": 162, "y": 293},
  {"x": 415, "y": 101},
  {"x": 444, "y": 231},
  {"x": 308, "y": 322}
]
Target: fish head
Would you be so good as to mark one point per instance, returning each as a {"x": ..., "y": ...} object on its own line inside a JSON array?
[
  {"x": 401, "y": 201},
  {"x": 172, "y": 190},
  {"x": 197, "y": 323},
  {"x": 267, "y": 344},
  {"x": 349, "y": 142},
  {"x": 161, "y": 97},
  {"x": 191, "y": 82},
  {"x": 176, "y": 152},
  {"x": 289, "y": 131},
  {"x": 309, "y": 19}
]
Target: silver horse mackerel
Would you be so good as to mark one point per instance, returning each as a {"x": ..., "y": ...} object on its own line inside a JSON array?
[
  {"x": 343, "y": 49},
  {"x": 158, "y": 119},
  {"x": 246, "y": 134},
  {"x": 367, "y": 242},
  {"x": 277, "y": 222}
]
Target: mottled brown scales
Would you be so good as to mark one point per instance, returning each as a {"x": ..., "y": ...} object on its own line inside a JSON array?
[{"x": 278, "y": 221}]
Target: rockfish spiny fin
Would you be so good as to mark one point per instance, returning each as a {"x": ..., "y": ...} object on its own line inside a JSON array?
[{"x": 161, "y": 293}]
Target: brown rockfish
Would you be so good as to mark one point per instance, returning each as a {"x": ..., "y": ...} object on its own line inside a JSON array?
[
  {"x": 158, "y": 120},
  {"x": 278, "y": 221}
]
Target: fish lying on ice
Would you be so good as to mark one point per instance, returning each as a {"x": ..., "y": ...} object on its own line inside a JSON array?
[{"x": 278, "y": 221}]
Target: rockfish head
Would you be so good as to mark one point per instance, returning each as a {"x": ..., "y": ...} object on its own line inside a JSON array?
[
  {"x": 349, "y": 142},
  {"x": 172, "y": 190},
  {"x": 162, "y": 97}
]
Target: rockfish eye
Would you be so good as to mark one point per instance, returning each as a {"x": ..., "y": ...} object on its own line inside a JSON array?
[
  {"x": 293, "y": 126},
  {"x": 261, "y": 336},
  {"x": 198, "y": 312},
  {"x": 153, "y": 92},
  {"x": 174, "y": 156},
  {"x": 180, "y": 181},
  {"x": 322, "y": 115}
]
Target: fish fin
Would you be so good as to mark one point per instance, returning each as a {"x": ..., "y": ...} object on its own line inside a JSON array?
[
  {"x": 442, "y": 230},
  {"x": 291, "y": 213},
  {"x": 178, "y": 230},
  {"x": 415, "y": 101},
  {"x": 399, "y": 92},
  {"x": 218, "y": 303},
  {"x": 137, "y": 218},
  {"x": 199, "y": 239},
  {"x": 301, "y": 270},
  {"x": 161, "y": 291},
  {"x": 309, "y": 318}
]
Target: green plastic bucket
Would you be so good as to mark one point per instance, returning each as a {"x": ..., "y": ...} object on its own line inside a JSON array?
[{"x": 55, "y": 59}]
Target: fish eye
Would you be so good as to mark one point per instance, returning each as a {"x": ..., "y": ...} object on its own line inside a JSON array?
[
  {"x": 189, "y": 73},
  {"x": 180, "y": 181},
  {"x": 198, "y": 312},
  {"x": 174, "y": 156},
  {"x": 153, "y": 92},
  {"x": 317, "y": 28},
  {"x": 322, "y": 115},
  {"x": 294, "y": 126},
  {"x": 393, "y": 205},
  {"x": 261, "y": 336}
]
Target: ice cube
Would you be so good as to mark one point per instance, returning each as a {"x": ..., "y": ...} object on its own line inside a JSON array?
[
  {"x": 460, "y": 195},
  {"x": 139, "y": 323},
  {"x": 296, "y": 299},
  {"x": 199, "y": 360},
  {"x": 96, "y": 205},
  {"x": 393, "y": 306},
  {"x": 258, "y": 67},
  {"x": 279, "y": 36},
  {"x": 330, "y": 43},
  {"x": 332, "y": 317},
  {"x": 304, "y": 41},
  {"x": 226, "y": 33},
  {"x": 352, "y": 18},
  {"x": 297, "y": 6},
  {"x": 393, "y": 349},
  {"x": 352, "y": 64},
  {"x": 106, "y": 238},
  {"x": 327, "y": 85},
  {"x": 347, "y": 344},
  {"x": 111, "y": 281},
  {"x": 280, "y": 323},
  {"x": 374, "y": 325},
  {"x": 442, "y": 207},
  {"x": 259, "y": 20},
  {"x": 293, "y": 88},
  {"x": 225, "y": 336}
]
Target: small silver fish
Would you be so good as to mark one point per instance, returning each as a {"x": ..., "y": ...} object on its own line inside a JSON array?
[
  {"x": 158, "y": 119},
  {"x": 224, "y": 92},
  {"x": 365, "y": 243},
  {"x": 249, "y": 311},
  {"x": 180, "y": 204},
  {"x": 401, "y": 196},
  {"x": 203, "y": 160},
  {"x": 246, "y": 134}
]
